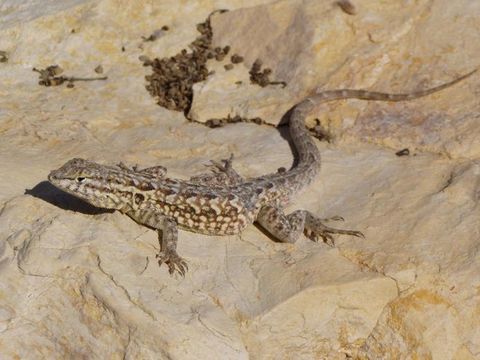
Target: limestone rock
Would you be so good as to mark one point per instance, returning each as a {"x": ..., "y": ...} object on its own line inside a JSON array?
[{"x": 79, "y": 282}]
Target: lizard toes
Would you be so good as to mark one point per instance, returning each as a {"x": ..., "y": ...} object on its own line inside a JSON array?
[
  {"x": 179, "y": 265},
  {"x": 358, "y": 234},
  {"x": 174, "y": 263},
  {"x": 327, "y": 239},
  {"x": 334, "y": 218}
]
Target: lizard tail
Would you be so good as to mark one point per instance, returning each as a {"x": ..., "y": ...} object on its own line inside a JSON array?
[{"x": 308, "y": 154}]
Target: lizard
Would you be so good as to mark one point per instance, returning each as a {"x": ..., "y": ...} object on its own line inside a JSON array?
[{"x": 220, "y": 202}]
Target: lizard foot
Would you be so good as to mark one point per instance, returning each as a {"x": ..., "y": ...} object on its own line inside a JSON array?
[
  {"x": 173, "y": 261},
  {"x": 325, "y": 233},
  {"x": 315, "y": 229},
  {"x": 224, "y": 165},
  {"x": 222, "y": 174}
]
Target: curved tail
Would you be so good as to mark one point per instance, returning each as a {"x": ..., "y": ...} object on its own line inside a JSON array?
[
  {"x": 307, "y": 151},
  {"x": 308, "y": 165}
]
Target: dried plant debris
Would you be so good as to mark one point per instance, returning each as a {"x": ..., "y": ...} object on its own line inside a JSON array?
[
  {"x": 347, "y": 7},
  {"x": 320, "y": 132},
  {"x": 49, "y": 77},
  {"x": 220, "y": 53},
  {"x": 236, "y": 59},
  {"x": 403, "y": 152},
  {"x": 156, "y": 34},
  {"x": 259, "y": 77},
  {"x": 213, "y": 123},
  {"x": 171, "y": 82}
]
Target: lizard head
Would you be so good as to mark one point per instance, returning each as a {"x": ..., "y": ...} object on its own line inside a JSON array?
[{"x": 88, "y": 181}]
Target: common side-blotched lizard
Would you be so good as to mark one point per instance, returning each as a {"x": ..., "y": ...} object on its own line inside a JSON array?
[{"x": 221, "y": 202}]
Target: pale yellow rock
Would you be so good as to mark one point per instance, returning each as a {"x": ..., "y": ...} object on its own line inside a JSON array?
[{"x": 82, "y": 283}]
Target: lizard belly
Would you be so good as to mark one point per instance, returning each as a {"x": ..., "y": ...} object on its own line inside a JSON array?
[{"x": 211, "y": 218}]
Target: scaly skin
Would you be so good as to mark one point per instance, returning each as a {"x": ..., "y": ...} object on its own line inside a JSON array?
[{"x": 221, "y": 202}]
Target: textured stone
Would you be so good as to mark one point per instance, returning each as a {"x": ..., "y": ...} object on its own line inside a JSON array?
[{"x": 78, "y": 282}]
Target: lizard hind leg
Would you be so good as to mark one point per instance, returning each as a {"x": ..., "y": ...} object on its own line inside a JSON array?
[
  {"x": 285, "y": 228},
  {"x": 288, "y": 228}
]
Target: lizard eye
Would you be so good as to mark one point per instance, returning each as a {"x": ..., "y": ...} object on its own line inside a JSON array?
[{"x": 80, "y": 179}]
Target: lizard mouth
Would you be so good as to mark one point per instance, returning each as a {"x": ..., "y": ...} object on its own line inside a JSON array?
[
  {"x": 58, "y": 179},
  {"x": 53, "y": 176}
]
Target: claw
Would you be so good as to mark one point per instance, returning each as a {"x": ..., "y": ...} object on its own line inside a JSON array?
[
  {"x": 334, "y": 218},
  {"x": 349, "y": 232},
  {"x": 327, "y": 239},
  {"x": 358, "y": 234},
  {"x": 174, "y": 263},
  {"x": 222, "y": 165},
  {"x": 325, "y": 232}
]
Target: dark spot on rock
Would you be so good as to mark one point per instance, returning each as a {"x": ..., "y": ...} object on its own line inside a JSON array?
[
  {"x": 403, "y": 152},
  {"x": 258, "y": 190}
]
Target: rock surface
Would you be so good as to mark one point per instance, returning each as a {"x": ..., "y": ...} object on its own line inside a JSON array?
[{"x": 78, "y": 282}]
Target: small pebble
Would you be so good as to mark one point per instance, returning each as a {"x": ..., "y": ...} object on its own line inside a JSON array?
[{"x": 99, "y": 69}]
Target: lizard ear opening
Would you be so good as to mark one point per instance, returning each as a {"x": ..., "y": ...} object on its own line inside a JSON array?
[{"x": 80, "y": 179}]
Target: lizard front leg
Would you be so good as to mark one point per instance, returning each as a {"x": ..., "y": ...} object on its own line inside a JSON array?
[
  {"x": 288, "y": 228},
  {"x": 167, "y": 237},
  {"x": 168, "y": 243}
]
